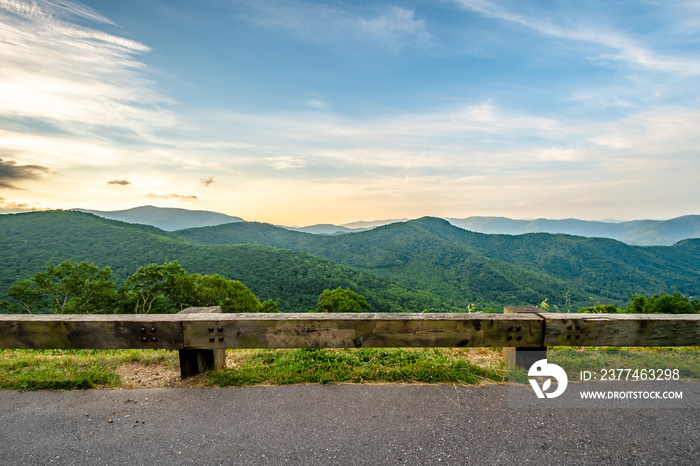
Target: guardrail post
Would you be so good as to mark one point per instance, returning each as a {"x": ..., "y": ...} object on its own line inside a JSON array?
[
  {"x": 523, "y": 357},
  {"x": 196, "y": 361}
]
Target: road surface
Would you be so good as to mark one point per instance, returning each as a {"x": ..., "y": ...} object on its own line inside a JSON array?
[{"x": 332, "y": 425}]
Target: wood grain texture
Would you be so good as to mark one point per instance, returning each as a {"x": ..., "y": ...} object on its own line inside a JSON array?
[
  {"x": 524, "y": 357},
  {"x": 310, "y": 330},
  {"x": 362, "y": 331},
  {"x": 89, "y": 332},
  {"x": 196, "y": 361},
  {"x": 202, "y": 310},
  {"x": 621, "y": 329}
]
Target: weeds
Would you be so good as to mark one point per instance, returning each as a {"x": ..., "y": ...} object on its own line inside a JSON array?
[{"x": 391, "y": 365}]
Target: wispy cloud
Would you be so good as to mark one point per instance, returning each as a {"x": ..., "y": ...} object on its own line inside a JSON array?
[
  {"x": 76, "y": 77},
  {"x": 178, "y": 197},
  {"x": 317, "y": 104},
  {"x": 664, "y": 133},
  {"x": 207, "y": 181},
  {"x": 71, "y": 94},
  {"x": 451, "y": 136},
  {"x": 463, "y": 154},
  {"x": 616, "y": 46},
  {"x": 53, "y": 8},
  {"x": 285, "y": 163},
  {"x": 391, "y": 27}
]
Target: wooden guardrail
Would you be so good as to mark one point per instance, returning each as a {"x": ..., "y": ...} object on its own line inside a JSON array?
[
  {"x": 195, "y": 361},
  {"x": 517, "y": 328}
]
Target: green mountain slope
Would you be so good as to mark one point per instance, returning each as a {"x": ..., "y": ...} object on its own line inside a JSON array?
[
  {"x": 420, "y": 264},
  {"x": 30, "y": 242},
  {"x": 466, "y": 267}
]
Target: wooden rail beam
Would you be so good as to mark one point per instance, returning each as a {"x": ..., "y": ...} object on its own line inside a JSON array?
[
  {"x": 621, "y": 329},
  {"x": 366, "y": 330},
  {"x": 79, "y": 331},
  {"x": 307, "y": 330},
  {"x": 524, "y": 357}
]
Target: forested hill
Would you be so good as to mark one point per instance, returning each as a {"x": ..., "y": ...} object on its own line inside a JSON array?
[
  {"x": 30, "y": 242},
  {"x": 461, "y": 266},
  {"x": 409, "y": 266}
]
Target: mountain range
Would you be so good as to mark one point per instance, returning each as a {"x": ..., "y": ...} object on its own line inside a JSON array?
[
  {"x": 416, "y": 265},
  {"x": 636, "y": 232},
  {"x": 465, "y": 267},
  {"x": 166, "y": 218}
]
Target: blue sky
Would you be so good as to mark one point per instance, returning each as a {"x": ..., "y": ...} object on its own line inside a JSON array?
[{"x": 298, "y": 112}]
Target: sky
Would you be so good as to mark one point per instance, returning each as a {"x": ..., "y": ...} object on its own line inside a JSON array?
[{"x": 303, "y": 112}]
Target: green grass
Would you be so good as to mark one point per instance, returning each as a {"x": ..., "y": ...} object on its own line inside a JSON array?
[
  {"x": 85, "y": 369},
  {"x": 323, "y": 366},
  {"x": 686, "y": 360},
  {"x": 576, "y": 359},
  {"x": 70, "y": 369}
]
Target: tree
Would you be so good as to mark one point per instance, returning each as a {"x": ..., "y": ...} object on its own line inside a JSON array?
[
  {"x": 268, "y": 306},
  {"x": 84, "y": 288},
  {"x": 341, "y": 300},
  {"x": 28, "y": 298},
  {"x": 601, "y": 309},
  {"x": 215, "y": 290},
  {"x": 169, "y": 288},
  {"x": 153, "y": 288},
  {"x": 67, "y": 289},
  {"x": 661, "y": 304}
]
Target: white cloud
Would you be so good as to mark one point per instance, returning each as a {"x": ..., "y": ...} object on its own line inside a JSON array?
[
  {"x": 55, "y": 151},
  {"x": 556, "y": 154},
  {"x": 317, "y": 104},
  {"x": 461, "y": 122},
  {"x": 73, "y": 76},
  {"x": 396, "y": 27},
  {"x": 285, "y": 163},
  {"x": 663, "y": 133},
  {"x": 56, "y": 7},
  {"x": 616, "y": 46},
  {"x": 179, "y": 197},
  {"x": 392, "y": 27}
]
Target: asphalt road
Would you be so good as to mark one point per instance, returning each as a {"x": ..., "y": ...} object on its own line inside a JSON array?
[{"x": 332, "y": 425}]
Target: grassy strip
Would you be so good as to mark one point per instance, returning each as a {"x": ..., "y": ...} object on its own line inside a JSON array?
[
  {"x": 85, "y": 369},
  {"x": 285, "y": 367},
  {"x": 576, "y": 359},
  {"x": 70, "y": 369},
  {"x": 685, "y": 359}
]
